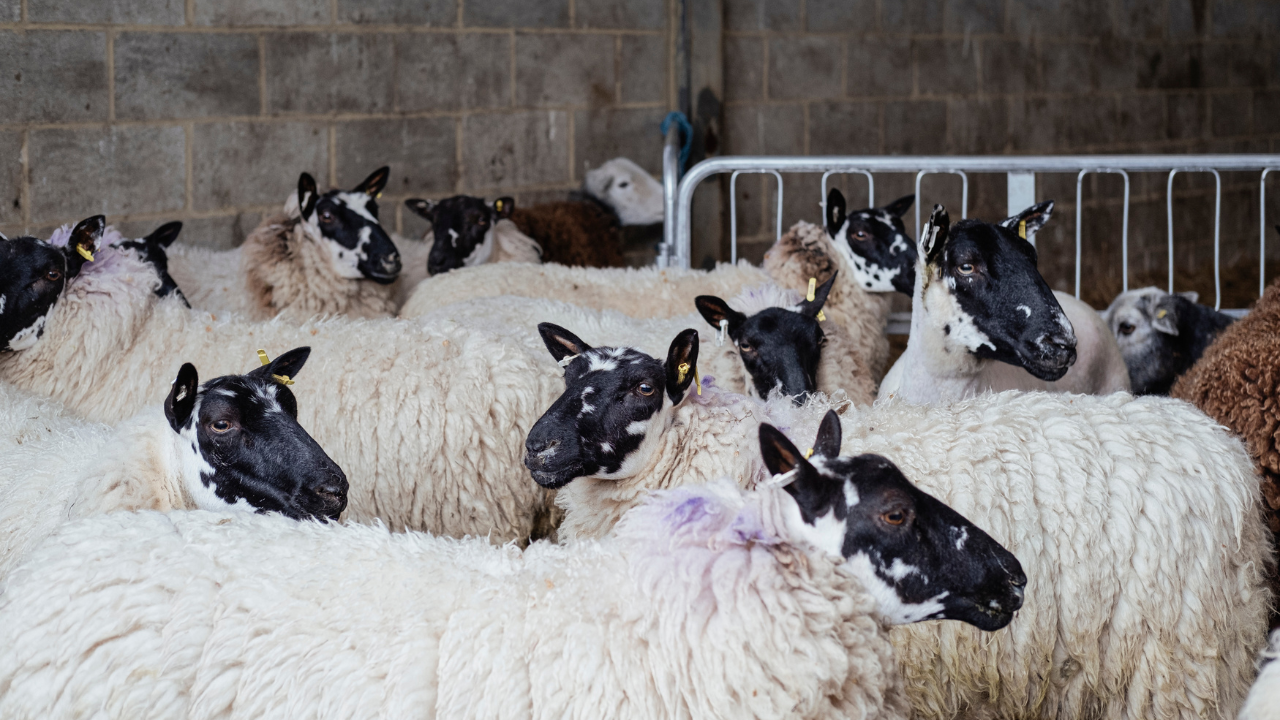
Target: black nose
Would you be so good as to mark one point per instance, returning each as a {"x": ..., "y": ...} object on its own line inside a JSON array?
[{"x": 537, "y": 452}]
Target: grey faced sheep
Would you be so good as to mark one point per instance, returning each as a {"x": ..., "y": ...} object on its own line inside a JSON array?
[
  {"x": 323, "y": 254},
  {"x": 984, "y": 320},
  {"x": 428, "y": 418},
  {"x": 707, "y": 602},
  {"x": 232, "y": 443},
  {"x": 1161, "y": 335},
  {"x": 631, "y": 192},
  {"x": 1131, "y": 517}
]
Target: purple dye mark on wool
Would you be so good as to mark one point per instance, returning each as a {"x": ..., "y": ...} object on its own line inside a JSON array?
[{"x": 689, "y": 511}]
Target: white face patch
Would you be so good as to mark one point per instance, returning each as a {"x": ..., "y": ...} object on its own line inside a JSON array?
[
  {"x": 890, "y": 605},
  {"x": 868, "y": 275},
  {"x": 1025, "y": 310},
  {"x": 899, "y": 570},
  {"x": 193, "y": 467},
  {"x": 653, "y": 429},
  {"x": 944, "y": 312},
  {"x": 358, "y": 203},
  {"x": 899, "y": 244},
  {"x": 597, "y": 363},
  {"x": 606, "y": 447},
  {"x": 2, "y": 300},
  {"x": 961, "y": 537},
  {"x": 346, "y": 260},
  {"x": 453, "y": 237},
  {"x": 267, "y": 394},
  {"x": 223, "y": 392},
  {"x": 27, "y": 337},
  {"x": 482, "y": 253},
  {"x": 638, "y": 427},
  {"x": 826, "y": 533},
  {"x": 851, "y": 498}
]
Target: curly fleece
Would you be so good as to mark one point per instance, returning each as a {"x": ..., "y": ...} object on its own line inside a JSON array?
[
  {"x": 1137, "y": 521},
  {"x": 700, "y": 607},
  {"x": 282, "y": 269},
  {"x": 427, "y": 420}
]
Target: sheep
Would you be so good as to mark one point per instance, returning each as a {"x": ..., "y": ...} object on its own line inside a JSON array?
[
  {"x": 983, "y": 320},
  {"x": 573, "y": 232},
  {"x": 321, "y": 254},
  {"x": 1263, "y": 702},
  {"x": 152, "y": 249},
  {"x": 633, "y": 194},
  {"x": 707, "y": 602},
  {"x": 1236, "y": 382},
  {"x": 785, "y": 345},
  {"x": 1161, "y": 335},
  {"x": 1136, "y": 519},
  {"x": 428, "y": 417},
  {"x": 231, "y": 444}
]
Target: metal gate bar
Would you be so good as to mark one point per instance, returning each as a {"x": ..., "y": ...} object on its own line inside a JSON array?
[{"x": 675, "y": 250}]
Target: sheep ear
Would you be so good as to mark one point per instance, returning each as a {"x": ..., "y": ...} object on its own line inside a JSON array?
[
  {"x": 83, "y": 243},
  {"x": 287, "y": 365},
  {"x": 504, "y": 206},
  {"x": 182, "y": 397},
  {"x": 1191, "y": 295},
  {"x": 373, "y": 185},
  {"x": 1165, "y": 315},
  {"x": 164, "y": 235},
  {"x": 307, "y": 195},
  {"x": 813, "y": 492},
  {"x": 811, "y": 308},
  {"x": 934, "y": 236},
  {"x": 561, "y": 342},
  {"x": 422, "y": 208},
  {"x": 682, "y": 364},
  {"x": 899, "y": 207},
  {"x": 1035, "y": 216},
  {"x": 827, "y": 444},
  {"x": 713, "y": 310},
  {"x": 835, "y": 212}
]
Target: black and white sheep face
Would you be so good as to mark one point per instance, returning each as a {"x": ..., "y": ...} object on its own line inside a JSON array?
[
  {"x": 348, "y": 224},
  {"x": 462, "y": 228},
  {"x": 920, "y": 559},
  {"x": 152, "y": 250},
  {"x": 1161, "y": 335},
  {"x": 874, "y": 241},
  {"x": 779, "y": 347},
  {"x": 616, "y": 405},
  {"x": 981, "y": 284},
  {"x": 33, "y": 274},
  {"x": 247, "y": 449}
]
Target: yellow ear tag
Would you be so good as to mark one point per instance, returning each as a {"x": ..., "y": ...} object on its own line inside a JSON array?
[
  {"x": 682, "y": 371},
  {"x": 282, "y": 379},
  {"x": 84, "y": 253},
  {"x": 1022, "y": 229},
  {"x": 808, "y": 453},
  {"x": 1160, "y": 314},
  {"x": 813, "y": 291}
]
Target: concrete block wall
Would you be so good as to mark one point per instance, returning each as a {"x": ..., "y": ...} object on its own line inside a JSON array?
[
  {"x": 1018, "y": 77},
  {"x": 206, "y": 111}
]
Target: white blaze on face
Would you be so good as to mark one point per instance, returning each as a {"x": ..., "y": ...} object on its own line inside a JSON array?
[
  {"x": 193, "y": 467},
  {"x": 27, "y": 337},
  {"x": 483, "y": 251},
  {"x": 358, "y": 202},
  {"x": 652, "y": 429},
  {"x": 1026, "y": 310},
  {"x": 890, "y": 605},
  {"x": 2, "y": 301},
  {"x": 944, "y": 312}
]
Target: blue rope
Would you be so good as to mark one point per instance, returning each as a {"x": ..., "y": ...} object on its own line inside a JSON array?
[{"x": 683, "y": 123}]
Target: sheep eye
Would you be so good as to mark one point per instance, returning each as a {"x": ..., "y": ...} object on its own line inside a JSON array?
[
  {"x": 644, "y": 389},
  {"x": 220, "y": 426},
  {"x": 965, "y": 269},
  {"x": 1126, "y": 328},
  {"x": 744, "y": 346},
  {"x": 894, "y": 517},
  {"x": 326, "y": 216},
  {"x": 53, "y": 275},
  {"x": 861, "y": 235},
  {"x": 624, "y": 183}
]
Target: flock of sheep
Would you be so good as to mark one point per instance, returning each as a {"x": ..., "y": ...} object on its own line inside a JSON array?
[{"x": 485, "y": 475}]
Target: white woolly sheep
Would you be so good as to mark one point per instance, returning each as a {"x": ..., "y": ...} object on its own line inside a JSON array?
[
  {"x": 1263, "y": 702},
  {"x": 1161, "y": 335},
  {"x": 232, "y": 443},
  {"x": 323, "y": 254},
  {"x": 429, "y": 418},
  {"x": 708, "y": 602},
  {"x": 1137, "y": 521},
  {"x": 984, "y": 320},
  {"x": 633, "y": 194}
]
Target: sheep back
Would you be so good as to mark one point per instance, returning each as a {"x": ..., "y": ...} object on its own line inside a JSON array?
[{"x": 581, "y": 233}]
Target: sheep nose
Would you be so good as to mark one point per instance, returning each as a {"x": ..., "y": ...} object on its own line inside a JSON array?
[
  {"x": 541, "y": 451},
  {"x": 1058, "y": 347},
  {"x": 391, "y": 264}
]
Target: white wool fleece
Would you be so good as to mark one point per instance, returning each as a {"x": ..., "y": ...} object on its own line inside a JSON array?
[
  {"x": 838, "y": 369},
  {"x": 284, "y": 268},
  {"x": 700, "y": 607},
  {"x": 427, "y": 420},
  {"x": 1263, "y": 702},
  {"x": 55, "y": 467},
  {"x": 1136, "y": 520}
]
